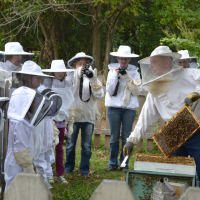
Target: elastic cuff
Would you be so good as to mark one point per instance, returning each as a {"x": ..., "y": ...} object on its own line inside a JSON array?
[{"x": 96, "y": 86}]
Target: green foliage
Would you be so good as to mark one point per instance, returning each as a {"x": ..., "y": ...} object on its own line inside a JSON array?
[{"x": 185, "y": 39}]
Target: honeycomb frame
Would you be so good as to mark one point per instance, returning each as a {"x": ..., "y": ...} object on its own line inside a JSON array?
[{"x": 174, "y": 133}]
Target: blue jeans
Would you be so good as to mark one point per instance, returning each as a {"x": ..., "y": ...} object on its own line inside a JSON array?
[
  {"x": 86, "y": 136},
  {"x": 191, "y": 147},
  {"x": 118, "y": 117}
]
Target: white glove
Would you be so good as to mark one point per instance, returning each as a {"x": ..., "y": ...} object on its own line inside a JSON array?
[
  {"x": 56, "y": 133},
  {"x": 93, "y": 80},
  {"x": 78, "y": 71},
  {"x": 70, "y": 130},
  {"x": 24, "y": 159},
  {"x": 55, "y": 141}
]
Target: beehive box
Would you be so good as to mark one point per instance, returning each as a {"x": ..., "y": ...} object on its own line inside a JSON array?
[
  {"x": 142, "y": 182},
  {"x": 160, "y": 163},
  {"x": 177, "y": 131}
]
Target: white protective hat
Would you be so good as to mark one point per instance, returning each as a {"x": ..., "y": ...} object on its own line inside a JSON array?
[
  {"x": 30, "y": 67},
  {"x": 185, "y": 54},
  {"x": 80, "y": 55},
  {"x": 158, "y": 77},
  {"x": 161, "y": 51},
  {"x": 15, "y": 48},
  {"x": 123, "y": 51},
  {"x": 58, "y": 66}
]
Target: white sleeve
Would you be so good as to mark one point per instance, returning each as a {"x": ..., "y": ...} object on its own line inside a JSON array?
[
  {"x": 21, "y": 138},
  {"x": 148, "y": 116},
  {"x": 97, "y": 93},
  {"x": 111, "y": 82}
]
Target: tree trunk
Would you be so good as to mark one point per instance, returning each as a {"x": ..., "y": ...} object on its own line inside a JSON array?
[
  {"x": 96, "y": 34},
  {"x": 109, "y": 42}
]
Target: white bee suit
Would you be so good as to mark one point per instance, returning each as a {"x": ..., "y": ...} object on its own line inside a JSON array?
[
  {"x": 20, "y": 135},
  {"x": 64, "y": 90},
  {"x": 119, "y": 100},
  {"x": 86, "y": 111},
  {"x": 165, "y": 105}
]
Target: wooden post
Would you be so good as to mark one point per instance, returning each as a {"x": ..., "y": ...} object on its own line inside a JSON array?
[
  {"x": 141, "y": 100},
  {"x": 97, "y": 126},
  {"x": 107, "y": 135}
]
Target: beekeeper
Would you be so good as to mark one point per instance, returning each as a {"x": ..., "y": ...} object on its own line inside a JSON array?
[
  {"x": 186, "y": 61},
  {"x": 87, "y": 90},
  {"x": 168, "y": 85},
  {"x": 121, "y": 90},
  {"x": 26, "y": 109}
]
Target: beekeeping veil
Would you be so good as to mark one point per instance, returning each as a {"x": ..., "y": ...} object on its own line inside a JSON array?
[
  {"x": 28, "y": 106},
  {"x": 55, "y": 98},
  {"x": 160, "y": 70},
  {"x": 3, "y": 101},
  {"x": 15, "y": 48},
  {"x": 29, "y": 68},
  {"x": 124, "y": 52}
]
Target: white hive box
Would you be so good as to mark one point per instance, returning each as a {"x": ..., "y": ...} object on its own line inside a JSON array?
[{"x": 159, "y": 163}]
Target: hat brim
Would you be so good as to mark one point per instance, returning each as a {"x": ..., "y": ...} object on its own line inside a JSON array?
[
  {"x": 72, "y": 60},
  {"x": 174, "y": 55},
  {"x": 187, "y": 58},
  {"x": 34, "y": 74},
  {"x": 17, "y": 53},
  {"x": 123, "y": 55},
  {"x": 58, "y": 70}
]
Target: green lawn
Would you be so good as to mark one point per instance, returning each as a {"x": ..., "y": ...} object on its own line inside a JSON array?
[{"x": 82, "y": 188}]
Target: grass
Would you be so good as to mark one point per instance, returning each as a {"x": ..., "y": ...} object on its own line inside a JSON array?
[{"x": 82, "y": 188}]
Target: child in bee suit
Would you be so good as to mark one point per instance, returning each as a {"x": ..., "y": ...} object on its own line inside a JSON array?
[
  {"x": 62, "y": 85},
  {"x": 168, "y": 85},
  {"x": 46, "y": 137},
  {"x": 26, "y": 109},
  {"x": 86, "y": 90}
]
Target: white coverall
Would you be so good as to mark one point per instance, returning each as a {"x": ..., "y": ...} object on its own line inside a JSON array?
[
  {"x": 20, "y": 135},
  {"x": 167, "y": 104},
  {"x": 44, "y": 153}
]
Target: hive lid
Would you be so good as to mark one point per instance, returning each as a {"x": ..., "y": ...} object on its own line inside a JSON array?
[{"x": 176, "y": 131}]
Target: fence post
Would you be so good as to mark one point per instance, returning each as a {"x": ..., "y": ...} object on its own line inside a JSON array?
[{"x": 97, "y": 132}]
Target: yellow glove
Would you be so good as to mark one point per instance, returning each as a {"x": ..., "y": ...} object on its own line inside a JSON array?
[
  {"x": 191, "y": 98},
  {"x": 128, "y": 149}
]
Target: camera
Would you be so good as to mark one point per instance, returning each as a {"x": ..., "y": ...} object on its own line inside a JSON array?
[
  {"x": 87, "y": 72},
  {"x": 122, "y": 70}
]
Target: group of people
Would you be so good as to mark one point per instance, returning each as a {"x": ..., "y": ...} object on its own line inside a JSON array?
[{"x": 45, "y": 105}]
